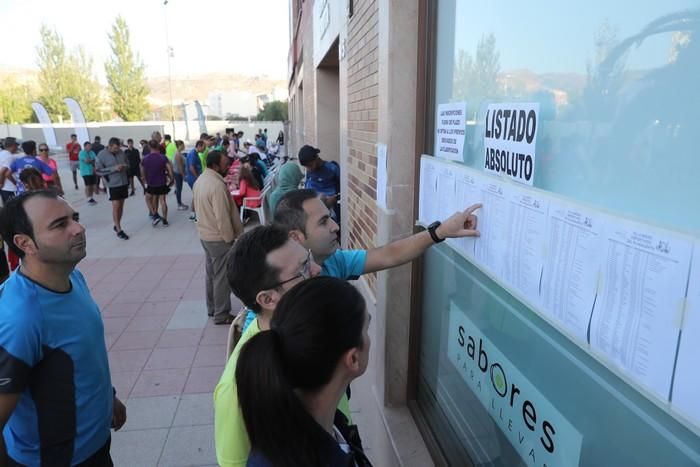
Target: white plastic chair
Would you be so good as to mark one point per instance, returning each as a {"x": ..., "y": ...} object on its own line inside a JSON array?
[{"x": 259, "y": 210}]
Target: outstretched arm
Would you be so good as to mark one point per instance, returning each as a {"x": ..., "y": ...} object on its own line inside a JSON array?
[{"x": 460, "y": 224}]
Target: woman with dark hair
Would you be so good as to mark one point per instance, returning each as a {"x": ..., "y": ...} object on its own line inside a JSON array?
[
  {"x": 53, "y": 182},
  {"x": 292, "y": 377},
  {"x": 248, "y": 187},
  {"x": 32, "y": 179}
]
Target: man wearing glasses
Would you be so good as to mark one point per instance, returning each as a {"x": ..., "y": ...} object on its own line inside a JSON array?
[
  {"x": 263, "y": 265},
  {"x": 29, "y": 160}
]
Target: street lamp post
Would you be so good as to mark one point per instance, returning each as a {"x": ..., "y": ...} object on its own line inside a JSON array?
[{"x": 170, "y": 78}]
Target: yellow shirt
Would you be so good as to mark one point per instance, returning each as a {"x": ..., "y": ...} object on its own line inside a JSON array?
[
  {"x": 170, "y": 151},
  {"x": 230, "y": 436}
]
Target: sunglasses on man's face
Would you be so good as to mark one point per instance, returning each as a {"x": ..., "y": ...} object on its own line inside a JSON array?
[{"x": 43, "y": 149}]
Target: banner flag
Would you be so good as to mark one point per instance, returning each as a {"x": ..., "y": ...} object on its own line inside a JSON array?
[{"x": 46, "y": 125}]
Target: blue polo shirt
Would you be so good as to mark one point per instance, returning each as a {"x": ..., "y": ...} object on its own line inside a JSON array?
[
  {"x": 52, "y": 353},
  {"x": 325, "y": 180},
  {"x": 343, "y": 264},
  {"x": 193, "y": 159}
]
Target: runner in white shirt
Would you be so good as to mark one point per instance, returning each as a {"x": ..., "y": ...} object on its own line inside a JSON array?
[{"x": 9, "y": 154}]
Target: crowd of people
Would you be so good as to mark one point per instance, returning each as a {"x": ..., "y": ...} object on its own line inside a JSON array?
[{"x": 283, "y": 397}]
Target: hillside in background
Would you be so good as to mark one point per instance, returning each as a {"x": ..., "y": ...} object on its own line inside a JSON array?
[
  {"x": 185, "y": 88},
  {"x": 191, "y": 87}
]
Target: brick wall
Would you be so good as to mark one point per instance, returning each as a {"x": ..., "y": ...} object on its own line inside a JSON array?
[{"x": 363, "y": 108}]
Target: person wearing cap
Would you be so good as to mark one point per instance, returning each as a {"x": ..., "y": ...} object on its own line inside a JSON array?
[
  {"x": 249, "y": 147},
  {"x": 7, "y": 156},
  {"x": 323, "y": 177}
]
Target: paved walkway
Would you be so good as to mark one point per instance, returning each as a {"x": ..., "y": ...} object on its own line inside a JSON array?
[{"x": 165, "y": 354}]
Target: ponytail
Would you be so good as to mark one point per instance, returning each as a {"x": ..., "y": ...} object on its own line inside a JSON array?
[
  {"x": 315, "y": 323},
  {"x": 278, "y": 425}
]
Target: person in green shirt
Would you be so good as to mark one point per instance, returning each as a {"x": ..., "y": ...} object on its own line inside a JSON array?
[
  {"x": 262, "y": 266},
  {"x": 170, "y": 148},
  {"x": 289, "y": 178},
  {"x": 209, "y": 146},
  {"x": 86, "y": 159}
]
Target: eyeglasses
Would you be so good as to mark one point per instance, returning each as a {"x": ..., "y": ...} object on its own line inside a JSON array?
[
  {"x": 304, "y": 273},
  {"x": 43, "y": 149}
]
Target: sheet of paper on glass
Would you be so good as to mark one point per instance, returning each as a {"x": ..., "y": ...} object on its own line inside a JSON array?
[
  {"x": 572, "y": 265},
  {"x": 382, "y": 177},
  {"x": 467, "y": 192},
  {"x": 450, "y": 128},
  {"x": 428, "y": 198},
  {"x": 637, "y": 315},
  {"x": 510, "y": 140},
  {"x": 686, "y": 385}
]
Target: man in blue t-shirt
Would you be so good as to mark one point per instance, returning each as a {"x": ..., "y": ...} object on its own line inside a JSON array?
[
  {"x": 57, "y": 402},
  {"x": 194, "y": 170},
  {"x": 28, "y": 160},
  {"x": 322, "y": 176},
  {"x": 308, "y": 221}
]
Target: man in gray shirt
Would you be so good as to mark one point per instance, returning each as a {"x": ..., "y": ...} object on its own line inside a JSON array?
[{"x": 112, "y": 165}]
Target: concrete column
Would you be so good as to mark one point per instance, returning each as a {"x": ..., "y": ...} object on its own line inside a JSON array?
[{"x": 398, "y": 33}]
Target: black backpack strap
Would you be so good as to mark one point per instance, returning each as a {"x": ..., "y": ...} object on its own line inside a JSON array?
[{"x": 352, "y": 437}]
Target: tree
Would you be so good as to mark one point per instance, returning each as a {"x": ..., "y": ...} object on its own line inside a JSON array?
[
  {"x": 275, "y": 111},
  {"x": 53, "y": 73},
  {"x": 126, "y": 75},
  {"x": 15, "y": 103},
  {"x": 63, "y": 74},
  {"x": 84, "y": 87},
  {"x": 475, "y": 79}
]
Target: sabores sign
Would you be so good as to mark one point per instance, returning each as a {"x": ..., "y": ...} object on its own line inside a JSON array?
[{"x": 539, "y": 433}]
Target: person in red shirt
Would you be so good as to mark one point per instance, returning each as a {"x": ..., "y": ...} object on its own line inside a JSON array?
[
  {"x": 248, "y": 187},
  {"x": 73, "y": 150}
]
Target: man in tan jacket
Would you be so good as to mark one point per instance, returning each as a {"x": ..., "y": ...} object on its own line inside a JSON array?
[{"x": 219, "y": 225}]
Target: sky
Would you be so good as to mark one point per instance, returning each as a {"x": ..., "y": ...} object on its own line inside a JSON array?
[
  {"x": 526, "y": 32},
  {"x": 208, "y": 36}
]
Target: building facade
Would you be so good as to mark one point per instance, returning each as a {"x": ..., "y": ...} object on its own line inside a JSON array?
[{"x": 544, "y": 342}]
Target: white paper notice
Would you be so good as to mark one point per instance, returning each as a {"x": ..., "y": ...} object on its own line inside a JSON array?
[
  {"x": 491, "y": 247},
  {"x": 686, "y": 385},
  {"x": 427, "y": 201},
  {"x": 467, "y": 192},
  {"x": 449, "y": 130},
  {"x": 570, "y": 277},
  {"x": 636, "y": 318},
  {"x": 522, "y": 267},
  {"x": 445, "y": 192},
  {"x": 382, "y": 178},
  {"x": 510, "y": 138}
]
